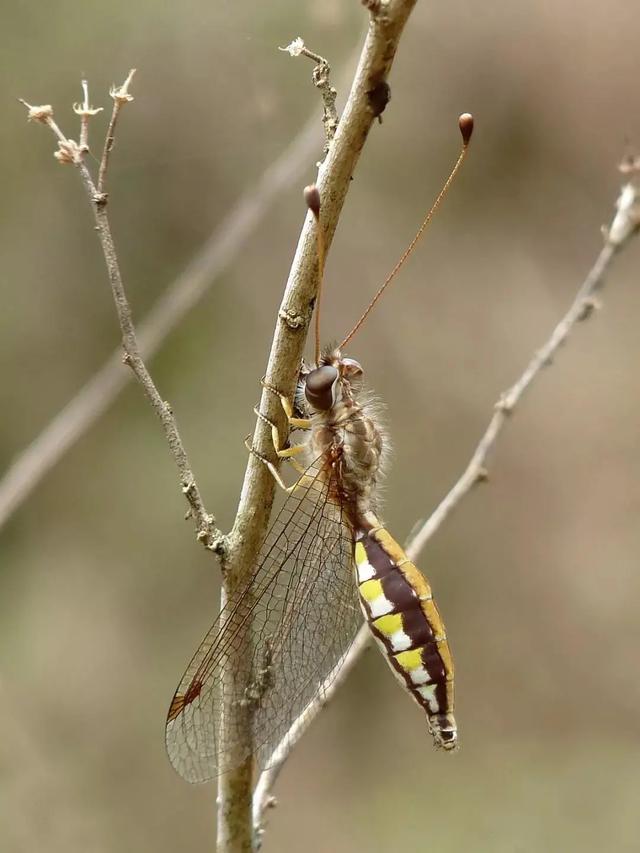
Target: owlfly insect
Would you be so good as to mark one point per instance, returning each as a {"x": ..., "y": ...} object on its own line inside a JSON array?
[{"x": 326, "y": 561}]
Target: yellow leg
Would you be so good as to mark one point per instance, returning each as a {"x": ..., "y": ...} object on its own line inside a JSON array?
[
  {"x": 294, "y": 423},
  {"x": 285, "y": 402},
  {"x": 272, "y": 468},
  {"x": 299, "y": 423},
  {"x": 282, "y": 451}
]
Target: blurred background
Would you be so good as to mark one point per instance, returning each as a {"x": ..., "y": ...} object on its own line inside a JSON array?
[{"x": 103, "y": 593}]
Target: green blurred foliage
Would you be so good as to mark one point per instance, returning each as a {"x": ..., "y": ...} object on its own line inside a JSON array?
[{"x": 103, "y": 594}]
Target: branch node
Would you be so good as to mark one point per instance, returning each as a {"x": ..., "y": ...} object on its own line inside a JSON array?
[
  {"x": 374, "y": 7},
  {"x": 219, "y": 544},
  {"x": 590, "y": 304},
  {"x": 505, "y": 404},
  {"x": 292, "y": 319},
  {"x": 482, "y": 474}
]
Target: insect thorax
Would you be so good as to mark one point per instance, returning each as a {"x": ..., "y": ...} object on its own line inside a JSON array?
[{"x": 350, "y": 438}]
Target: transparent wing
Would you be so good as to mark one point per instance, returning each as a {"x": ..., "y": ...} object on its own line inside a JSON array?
[{"x": 290, "y": 626}]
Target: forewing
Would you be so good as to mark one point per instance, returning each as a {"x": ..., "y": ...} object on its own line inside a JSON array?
[{"x": 288, "y": 629}]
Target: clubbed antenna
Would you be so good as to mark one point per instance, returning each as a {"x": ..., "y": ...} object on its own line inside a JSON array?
[
  {"x": 312, "y": 198},
  {"x": 465, "y": 123}
]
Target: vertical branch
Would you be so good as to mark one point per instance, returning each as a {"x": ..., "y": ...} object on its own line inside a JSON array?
[
  {"x": 385, "y": 30},
  {"x": 216, "y": 254}
]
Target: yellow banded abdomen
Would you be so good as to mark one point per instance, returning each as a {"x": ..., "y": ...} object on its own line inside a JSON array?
[{"x": 399, "y": 608}]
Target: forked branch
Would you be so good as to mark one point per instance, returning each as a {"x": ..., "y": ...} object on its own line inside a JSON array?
[
  {"x": 214, "y": 257},
  {"x": 624, "y": 225},
  {"x": 73, "y": 153}
]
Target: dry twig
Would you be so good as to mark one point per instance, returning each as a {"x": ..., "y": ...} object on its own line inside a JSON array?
[
  {"x": 240, "y": 549},
  {"x": 215, "y": 256},
  {"x": 120, "y": 96},
  {"x": 625, "y": 224},
  {"x": 73, "y": 153},
  {"x": 321, "y": 81},
  {"x": 234, "y": 810}
]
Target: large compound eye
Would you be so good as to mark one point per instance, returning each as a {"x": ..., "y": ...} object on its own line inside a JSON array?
[
  {"x": 320, "y": 386},
  {"x": 351, "y": 368}
]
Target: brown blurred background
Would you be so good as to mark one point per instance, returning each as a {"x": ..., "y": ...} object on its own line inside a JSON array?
[{"x": 103, "y": 593}]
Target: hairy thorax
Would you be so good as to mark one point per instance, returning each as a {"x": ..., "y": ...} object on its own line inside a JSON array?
[{"x": 350, "y": 438}]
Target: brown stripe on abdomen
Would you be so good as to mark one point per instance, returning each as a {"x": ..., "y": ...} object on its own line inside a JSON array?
[{"x": 399, "y": 608}]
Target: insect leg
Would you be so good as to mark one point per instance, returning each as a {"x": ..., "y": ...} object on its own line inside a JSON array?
[
  {"x": 283, "y": 451},
  {"x": 273, "y": 470},
  {"x": 295, "y": 423},
  {"x": 280, "y": 448}
]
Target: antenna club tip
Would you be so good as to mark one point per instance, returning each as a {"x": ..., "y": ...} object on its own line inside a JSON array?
[
  {"x": 465, "y": 123},
  {"x": 312, "y": 199}
]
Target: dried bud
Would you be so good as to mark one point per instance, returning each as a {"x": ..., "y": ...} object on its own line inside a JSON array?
[
  {"x": 295, "y": 48},
  {"x": 42, "y": 113},
  {"x": 121, "y": 93},
  {"x": 465, "y": 123},
  {"x": 312, "y": 199},
  {"x": 68, "y": 152},
  {"x": 82, "y": 110},
  {"x": 379, "y": 96}
]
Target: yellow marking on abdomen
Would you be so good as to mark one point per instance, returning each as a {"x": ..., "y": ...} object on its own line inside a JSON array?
[
  {"x": 410, "y": 660},
  {"x": 370, "y": 590},
  {"x": 389, "y": 625},
  {"x": 378, "y": 603}
]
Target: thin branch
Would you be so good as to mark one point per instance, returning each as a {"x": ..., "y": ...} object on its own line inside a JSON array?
[
  {"x": 120, "y": 97},
  {"x": 215, "y": 256},
  {"x": 321, "y": 81},
  {"x": 234, "y": 796},
  {"x": 70, "y": 152},
  {"x": 86, "y": 112},
  {"x": 625, "y": 224},
  {"x": 263, "y": 798}
]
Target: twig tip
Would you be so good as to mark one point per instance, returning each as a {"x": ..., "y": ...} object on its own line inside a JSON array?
[
  {"x": 121, "y": 94},
  {"x": 41, "y": 113},
  {"x": 294, "y": 48}
]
